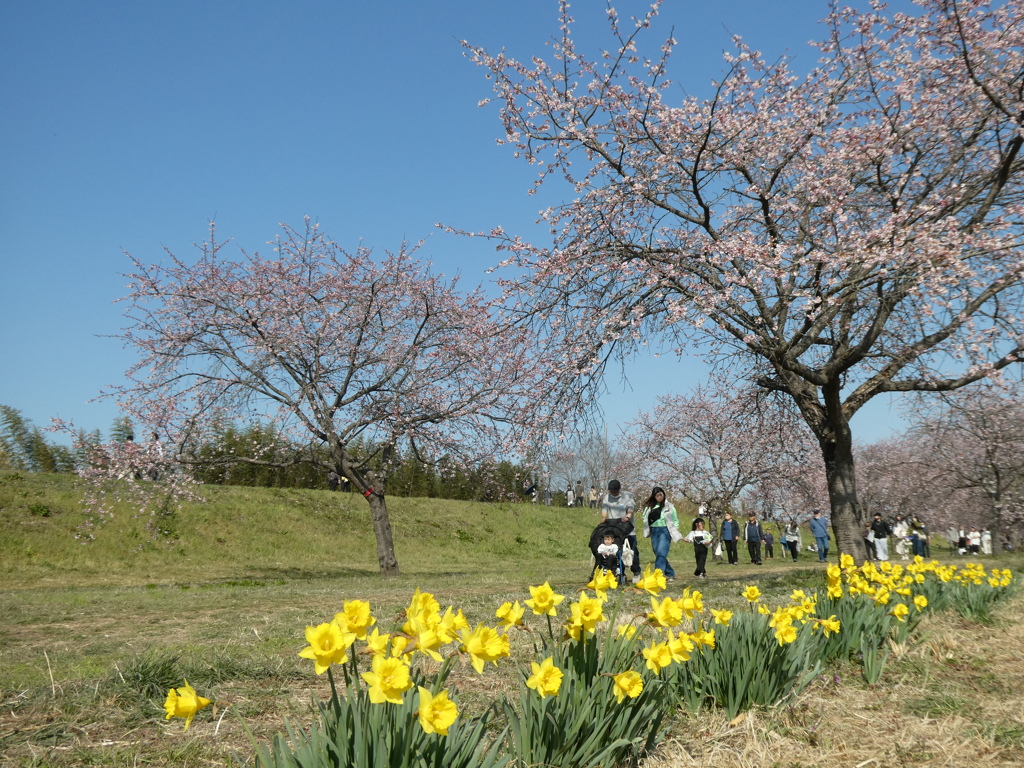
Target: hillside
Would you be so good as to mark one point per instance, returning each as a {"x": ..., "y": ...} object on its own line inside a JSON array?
[{"x": 266, "y": 533}]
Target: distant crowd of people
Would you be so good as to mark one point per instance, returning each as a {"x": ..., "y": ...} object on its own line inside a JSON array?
[{"x": 614, "y": 541}]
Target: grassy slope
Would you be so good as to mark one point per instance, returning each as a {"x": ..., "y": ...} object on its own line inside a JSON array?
[{"x": 258, "y": 533}]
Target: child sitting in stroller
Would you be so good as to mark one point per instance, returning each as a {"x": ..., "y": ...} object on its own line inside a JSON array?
[
  {"x": 608, "y": 554},
  {"x": 606, "y": 544}
]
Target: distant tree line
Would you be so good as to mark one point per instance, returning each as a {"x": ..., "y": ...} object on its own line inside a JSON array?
[{"x": 286, "y": 464}]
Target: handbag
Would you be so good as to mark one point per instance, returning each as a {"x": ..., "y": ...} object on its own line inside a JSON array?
[{"x": 627, "y": 554}]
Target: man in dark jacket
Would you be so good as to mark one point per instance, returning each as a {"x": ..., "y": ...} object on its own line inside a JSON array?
[{"x": 752, "y": 534}]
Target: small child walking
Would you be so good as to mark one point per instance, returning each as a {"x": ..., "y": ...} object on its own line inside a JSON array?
[{"x": 700, "y": 539}]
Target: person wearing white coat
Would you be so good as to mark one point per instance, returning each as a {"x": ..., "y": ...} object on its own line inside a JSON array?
[{"x": 661, "y": 526}]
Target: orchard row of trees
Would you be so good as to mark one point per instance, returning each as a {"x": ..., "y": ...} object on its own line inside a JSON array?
[{"x": 823, "y": 237}]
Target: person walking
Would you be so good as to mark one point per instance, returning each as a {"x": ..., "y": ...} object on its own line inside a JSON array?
[
  {"x": 752, "y": 534},
  {"x": 619, "y": 505},
  {"x": 899, "y": 533},
  {"x": 986, "y": 541},
  {"x": 661, "y": 526},
  {"x": 769, "y": 545},
  {"x": 819, "y": 530},
  {"x": 730, "y": 537},
  {"x": 918, "y": 532},
  {"x": 791, "y": 538},
  {"x": 881, "y": 531},
  {"x": 701, "y": 540}
]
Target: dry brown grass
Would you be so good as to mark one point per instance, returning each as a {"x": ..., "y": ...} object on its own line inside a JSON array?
[{"x": 955, "y": 698}]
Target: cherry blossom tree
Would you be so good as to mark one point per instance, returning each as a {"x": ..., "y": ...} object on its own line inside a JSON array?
[
  {"x": 362, "y": 357},
  {"x": 855, "y": 229},
  {"x": 717, "y": 444},
  {"x": 973, "y": 440}
]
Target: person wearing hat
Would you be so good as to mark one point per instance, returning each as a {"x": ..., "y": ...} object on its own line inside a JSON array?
[{"x": 619, "y": 505}]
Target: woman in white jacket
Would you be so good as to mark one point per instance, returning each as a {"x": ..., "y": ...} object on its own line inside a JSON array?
[{"x": 661, "y": 526}]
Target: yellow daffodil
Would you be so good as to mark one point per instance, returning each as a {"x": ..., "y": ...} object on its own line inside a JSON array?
[
  {"x": 667, "y": 613},
  {"x": 425, "y": 638},
  {"x": 423, "y": 603},
  {"x": 704, "y": 638},
  {"x": 786, "y": 634},
  {"x": 603, "y": 581},
  {"x": 846, "y": 561},
  {"x": 691, "y": 603},
  {"x": 546, "y": 678},
  {"x": 184, "y": 702},
  {"x": 377, "y": 643},
  {"x": 900, "y": 611},
  {"x": 626, "y": 630},
  {"x": 511, "y": 614},
  {"x": 328, "y": 644},
  {"x": 436, "y": 713},
  {"x": 762, "y": 608},
  {"x": 398, "y": 645},
  {"x": 680, "y": 647},
  {"x": 722, "y": 617},
  {"x": 587, "y": 612},
  {"x": 450, "y": 625},
  {"x": 573, "y": 631},
  {"x": 628, "y": 683},
  {"x": 829, "y": 626},
  {"x": 752, "y": 593},
  {"x": 798, "y": 596},
  {"x": 658, "y": 657},
  {"x": 921, "y": 602},
  {"x": 652, "y": 582},
  {"x": 484, "y": 644},
  {"x": 387, "y": 680},
  {"x": 355, "y": 617},
  {"x": 544, "y": 600}
]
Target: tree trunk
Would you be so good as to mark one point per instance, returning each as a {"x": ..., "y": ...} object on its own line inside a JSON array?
[
  {"x": 372, "y": 488},
  {"x": 837, "y": 451},
  {"x": 382, "y": 531}
]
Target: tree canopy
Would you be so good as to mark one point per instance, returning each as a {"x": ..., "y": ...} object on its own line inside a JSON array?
[{"x": 847, "y": 232}]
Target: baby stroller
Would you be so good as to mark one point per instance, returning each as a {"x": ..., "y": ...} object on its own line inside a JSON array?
[{"x": 619, "y": 530}]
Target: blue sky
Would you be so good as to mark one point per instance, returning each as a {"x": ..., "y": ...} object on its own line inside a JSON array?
[{"x": 127, "y": 126}]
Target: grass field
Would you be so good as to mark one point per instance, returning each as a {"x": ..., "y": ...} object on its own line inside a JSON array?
[{"x": 92, "y": 634}]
